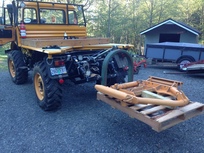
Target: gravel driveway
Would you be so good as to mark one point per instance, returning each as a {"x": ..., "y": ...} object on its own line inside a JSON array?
[{"x": 84, "y": 124}]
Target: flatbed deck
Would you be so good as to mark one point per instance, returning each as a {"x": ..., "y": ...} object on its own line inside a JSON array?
[
  {"x": 43, "y": 42},
  {"x": 158, "y": 117},
  {"x": 45, "y": 45}
]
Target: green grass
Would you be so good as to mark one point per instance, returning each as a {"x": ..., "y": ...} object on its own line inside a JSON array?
[{"x": 3, "y": 58}]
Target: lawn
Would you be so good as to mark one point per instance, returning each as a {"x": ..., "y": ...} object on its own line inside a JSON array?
[{"x": 3, "y": 57}]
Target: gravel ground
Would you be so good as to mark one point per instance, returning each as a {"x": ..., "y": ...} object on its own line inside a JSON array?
[{"x": 84, "y": 124}]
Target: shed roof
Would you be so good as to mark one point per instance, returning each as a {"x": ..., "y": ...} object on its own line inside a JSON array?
[{"x": 171, "y": 21}]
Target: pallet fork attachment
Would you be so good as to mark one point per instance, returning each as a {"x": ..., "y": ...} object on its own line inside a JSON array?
[{"x": 156, "y": 101}]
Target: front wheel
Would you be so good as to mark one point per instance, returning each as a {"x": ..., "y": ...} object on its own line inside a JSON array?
[
  {"x": 48, "y": 91},
  {"x": 17, "y": 67}
]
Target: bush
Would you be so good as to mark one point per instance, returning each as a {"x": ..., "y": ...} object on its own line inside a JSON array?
[{"x": 3, "y": 57}]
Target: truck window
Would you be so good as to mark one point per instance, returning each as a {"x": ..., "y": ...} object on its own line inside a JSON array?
[
  {"x": 7, "y": 18},
  {"x": 76, "y": 16},
  {"x": 51, "y": 16},
  {"x": 29, "y": 16},
  {"x": 1, "y": 16},
  {"x": 72, "y": 17}
]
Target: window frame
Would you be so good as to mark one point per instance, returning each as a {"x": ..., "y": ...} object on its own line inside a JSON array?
[
  {"x": 23, "y": 15},
  {"x": 63, "y": 18}
]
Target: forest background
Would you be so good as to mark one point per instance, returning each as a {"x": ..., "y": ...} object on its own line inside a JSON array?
[{"x": 123, "y": 20}]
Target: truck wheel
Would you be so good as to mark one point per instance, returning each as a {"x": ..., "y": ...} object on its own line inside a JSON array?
[
  {"x": 17, "y": 67},
  {"x": 184, "y": 60},
  {"x": 48, "y": 91}
]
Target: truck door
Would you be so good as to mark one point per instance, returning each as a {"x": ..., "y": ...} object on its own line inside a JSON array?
[{"x": 7, "y": 28}]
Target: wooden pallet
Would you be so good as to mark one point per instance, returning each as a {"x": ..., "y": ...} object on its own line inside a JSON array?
[{"x": 158, "y": 117}]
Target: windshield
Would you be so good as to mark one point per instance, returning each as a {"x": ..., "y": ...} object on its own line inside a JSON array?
[
  {"x": 45, "y": 14},
  {"x": 52, "y": 16}
]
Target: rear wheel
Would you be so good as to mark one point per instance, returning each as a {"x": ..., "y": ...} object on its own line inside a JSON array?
[
  {"x": 183, "y": 61},
  {"x": 17, "y": 67},
  {"x": 48, "y": 91}
]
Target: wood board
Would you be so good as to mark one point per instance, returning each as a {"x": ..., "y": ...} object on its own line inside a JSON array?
[{"x": 39, "y": 43}]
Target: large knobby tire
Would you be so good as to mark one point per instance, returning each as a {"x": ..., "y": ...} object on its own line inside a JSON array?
[
  {"x": 48, "y": 91},
  {"x": 183, "y": 61},
  {"x": 17, "y": 67}
]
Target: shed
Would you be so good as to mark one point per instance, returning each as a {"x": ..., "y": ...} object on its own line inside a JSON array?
[{"x": 170, "y": 31}]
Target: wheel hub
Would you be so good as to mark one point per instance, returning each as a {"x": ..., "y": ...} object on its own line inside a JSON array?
[
  {"x": 12, "y": 68},
  {"x": 39, "y": 86},
  {"x": 183, "y": 63}
]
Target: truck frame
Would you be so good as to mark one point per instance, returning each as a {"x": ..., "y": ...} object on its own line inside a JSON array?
[{"x": 50, "y": 39}]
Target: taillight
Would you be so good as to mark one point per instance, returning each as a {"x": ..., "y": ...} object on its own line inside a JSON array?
[
  {"x": 61, "y": 81},
  {"x": 59, "y": 63}
]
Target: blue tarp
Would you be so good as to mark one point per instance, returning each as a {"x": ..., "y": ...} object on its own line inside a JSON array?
[{"x": 175, "y": 44}]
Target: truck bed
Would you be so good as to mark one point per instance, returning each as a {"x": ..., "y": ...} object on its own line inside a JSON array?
[{"x": 43, "y": 42}]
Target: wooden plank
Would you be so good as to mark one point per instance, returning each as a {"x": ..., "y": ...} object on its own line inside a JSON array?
[
  {"x": 137, "y": 107},
  {"x": 174, "y": 121},
  {"x": 172, "y": 114},
  {"x": 153, "y": 110},
  {"x": 183, "y": 112},
  {"x": 170, "y": 123},
  {"x": 39, "y": 43},
  {"x": 192, "y": 106},
  {"x": 55, "y": 32},
  {"x": 50, "y": 35}
]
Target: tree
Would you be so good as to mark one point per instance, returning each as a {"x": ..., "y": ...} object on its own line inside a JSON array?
[{"x": 123, "y": 20}]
